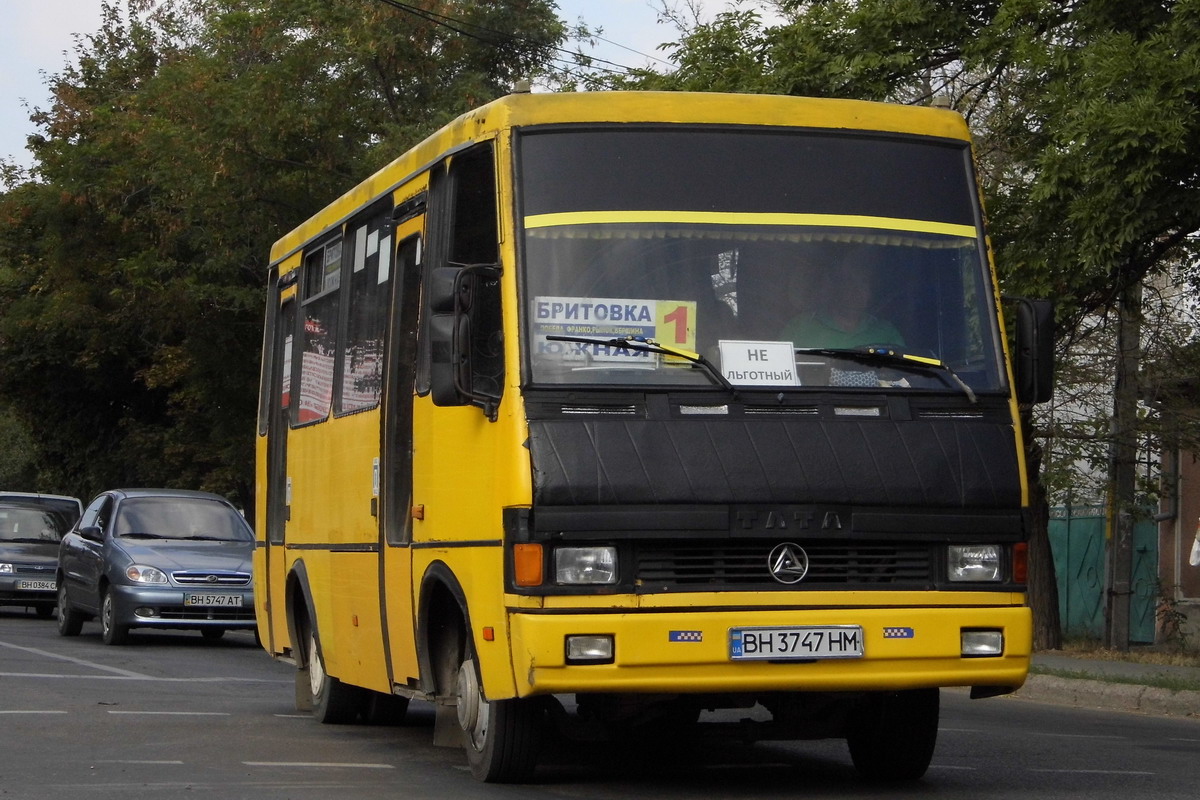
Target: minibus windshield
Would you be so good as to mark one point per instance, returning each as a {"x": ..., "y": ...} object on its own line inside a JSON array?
[{"x": 761, "y": 254}]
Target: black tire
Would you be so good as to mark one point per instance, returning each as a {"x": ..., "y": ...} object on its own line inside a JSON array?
[
  {"x": 502, "y": 738},
  {"x": 43, "y": 612},
  {"x": 893, "y": 734},
  {"x": 70, "y": 621},
  {"x": 333, "y": 702},
  {"x": 111, "y": 632},
  {"x": 384, "y": 709},
  {"x": 212, "y": 634}
]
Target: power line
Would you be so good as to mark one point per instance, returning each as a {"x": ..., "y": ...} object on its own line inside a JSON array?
[{"x": 500, "y": 39}]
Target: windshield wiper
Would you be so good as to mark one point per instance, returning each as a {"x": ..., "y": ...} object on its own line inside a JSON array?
[
  {"x": 880, "y": 355},
  {"x": 140, "y": 535},
  {"x": 31, "y": 540},
  {"x": 642, "y": 344}
]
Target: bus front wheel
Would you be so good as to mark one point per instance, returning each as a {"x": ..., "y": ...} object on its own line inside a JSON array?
[
  {"x": 502, "y": 738},
  {"x": 893, "y": 734}
]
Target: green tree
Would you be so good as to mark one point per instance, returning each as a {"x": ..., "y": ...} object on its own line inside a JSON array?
[
  {"x": 184, "y": 140},
  {"x": 1087, "y": 130}
]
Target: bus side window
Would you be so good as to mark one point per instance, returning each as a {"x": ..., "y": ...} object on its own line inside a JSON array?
[
  {"x": 368, "y": 269},
  {"x": 318, "y": 347}
]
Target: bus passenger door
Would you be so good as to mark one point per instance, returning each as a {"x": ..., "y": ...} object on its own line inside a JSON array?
[
  {"x": 396, "y": 457},
  {"x": 278, "y": 491}
]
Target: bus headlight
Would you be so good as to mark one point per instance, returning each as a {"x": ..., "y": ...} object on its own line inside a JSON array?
[
  {"x": 974, "y": 562},
  {"x": 585, "y": 565}
]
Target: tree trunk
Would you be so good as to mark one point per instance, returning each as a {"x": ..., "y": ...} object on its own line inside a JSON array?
[
  {"x": 1123, "y": 469},
  {"x": 1042, "y": 581}
]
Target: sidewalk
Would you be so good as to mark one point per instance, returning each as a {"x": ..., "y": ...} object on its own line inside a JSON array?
[{"x": 1113, "y": 685}]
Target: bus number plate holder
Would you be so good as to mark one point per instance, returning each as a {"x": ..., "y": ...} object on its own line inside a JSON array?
[{"x": 796, "y": 642}]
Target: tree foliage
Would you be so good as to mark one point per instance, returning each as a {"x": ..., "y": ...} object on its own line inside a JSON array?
[
  {"x": 186, "y": 137},
  {"x": 1087, "y": 125}
]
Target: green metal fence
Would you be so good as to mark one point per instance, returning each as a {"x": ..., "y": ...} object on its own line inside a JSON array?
[{"x": 1078, "y": 542}]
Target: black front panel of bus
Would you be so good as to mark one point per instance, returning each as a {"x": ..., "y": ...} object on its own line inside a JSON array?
[{"x": 934, "y": 462}]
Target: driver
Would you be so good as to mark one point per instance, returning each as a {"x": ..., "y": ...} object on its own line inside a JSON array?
[{"x": 842, "y": 318}]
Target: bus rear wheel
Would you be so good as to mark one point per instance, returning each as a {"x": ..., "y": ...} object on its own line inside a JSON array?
[
  {"x": 502, "y": 738},
  {"x": 333, "y": 702},
  {"x": 893, "y": 734}
]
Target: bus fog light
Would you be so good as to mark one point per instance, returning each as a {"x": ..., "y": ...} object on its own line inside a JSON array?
[
  {"x": 589, "y": 649},
  {"x": 974, "y": 562},
  {"x": 585, "y": 565},
  {"x": 982, "y": 643}
]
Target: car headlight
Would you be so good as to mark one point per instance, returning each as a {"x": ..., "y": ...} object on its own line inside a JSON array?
[
  {"x": 585, "y": 565},
  {"x": 140, "y": 573},
  {"x": 974, "y": 562},
  {"x": 6, "y": 569}
]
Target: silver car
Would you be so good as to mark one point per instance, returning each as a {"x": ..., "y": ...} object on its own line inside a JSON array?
[
  {"x": 31, "y": 527},
  {"x": 156, "y": 558}
]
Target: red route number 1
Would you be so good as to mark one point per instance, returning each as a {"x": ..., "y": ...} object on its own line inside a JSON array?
[{"x": 677, "y": 326}]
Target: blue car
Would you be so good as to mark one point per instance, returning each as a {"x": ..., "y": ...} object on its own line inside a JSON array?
[
  {"x": 31, "y": 526},
  {"x": 156, "y": 558}
]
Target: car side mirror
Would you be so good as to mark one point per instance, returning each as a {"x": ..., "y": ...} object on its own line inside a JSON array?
[{"x": 92, "y": 533}]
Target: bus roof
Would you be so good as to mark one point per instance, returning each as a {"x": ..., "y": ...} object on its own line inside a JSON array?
[{"x": 525, "y": 109}]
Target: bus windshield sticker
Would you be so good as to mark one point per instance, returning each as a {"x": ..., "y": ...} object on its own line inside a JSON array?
[
  {"x": 750, "y": 363},
  {"x": 671, "y": 323}
]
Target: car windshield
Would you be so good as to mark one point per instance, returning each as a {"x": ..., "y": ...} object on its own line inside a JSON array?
[
  {"x": 27, "y": 524},
  {"x": 180, "y": 518},
  {"x": 764, "y": 254}
]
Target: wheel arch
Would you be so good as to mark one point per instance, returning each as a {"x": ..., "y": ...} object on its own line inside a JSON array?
[
  {"x": 443, "y": 628},
  {"x": 300, "y": 612}
]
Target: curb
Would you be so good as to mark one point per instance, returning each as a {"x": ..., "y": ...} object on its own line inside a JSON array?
[{"x": 1111, "y": 696}]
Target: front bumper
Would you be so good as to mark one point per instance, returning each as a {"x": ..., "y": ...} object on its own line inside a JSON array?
[
  {"x": 689, "y": 652},
  {"x": 12, "y": 592},
  {"x": 144, "y": 607}
]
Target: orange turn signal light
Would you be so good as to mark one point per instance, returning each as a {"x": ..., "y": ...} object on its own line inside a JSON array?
[{"x": 527, "y": 564}]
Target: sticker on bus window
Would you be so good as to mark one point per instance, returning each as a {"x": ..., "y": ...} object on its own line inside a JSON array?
[{"x": 671, "y": 323}]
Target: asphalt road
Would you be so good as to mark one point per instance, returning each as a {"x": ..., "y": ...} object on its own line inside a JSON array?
[{"x": 173, "y": 715}]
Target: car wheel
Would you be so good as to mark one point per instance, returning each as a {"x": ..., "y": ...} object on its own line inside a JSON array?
[
  {"x": 212, "y": 633},
  {"x": 70, "y": 621},
  {"x": 893, "y": 734},
  {"x": 502, "y": 738},
  {"x": 111, "y": 631},
  {"x": 334, "y": 702},
  {"x": 43, "y": 612}
]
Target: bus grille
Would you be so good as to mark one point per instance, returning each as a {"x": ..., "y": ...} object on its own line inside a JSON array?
[{"x": 700, "y": 567}]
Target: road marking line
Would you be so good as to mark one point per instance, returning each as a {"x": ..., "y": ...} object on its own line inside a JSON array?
[
  {"x": 136, "y": 677},
  {"x": 316, "y": 764},
  {"x": 131, "y": 761},
  {"x": 175, "y": 713},
  {"x": 1095, "y": 771},
  {"x": 81, "y": 662},
  {"x": 1078, "y": 736},
  {"x": 15, "y": 711}
]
